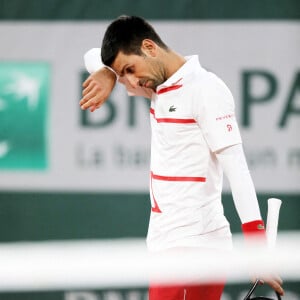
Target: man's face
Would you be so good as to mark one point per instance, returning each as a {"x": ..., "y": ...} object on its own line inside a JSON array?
[{"x": 140, "y": 70}]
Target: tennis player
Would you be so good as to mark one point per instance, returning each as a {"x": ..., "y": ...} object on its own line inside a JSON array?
[{"x": 195, "y": 138}]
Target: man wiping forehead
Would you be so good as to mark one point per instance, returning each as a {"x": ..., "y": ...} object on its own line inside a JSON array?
[{"x": 195, "y": 138}]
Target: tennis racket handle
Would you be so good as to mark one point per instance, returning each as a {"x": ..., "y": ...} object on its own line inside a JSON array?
[{"x": 272, "y": 221}]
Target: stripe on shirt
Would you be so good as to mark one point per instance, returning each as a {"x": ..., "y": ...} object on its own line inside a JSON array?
[
  {"x": 169, "y": 88},
  {"x": 172, "y": 120},
  {"x": 178, "y": 178}
]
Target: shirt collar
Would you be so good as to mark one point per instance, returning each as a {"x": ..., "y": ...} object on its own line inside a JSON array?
[{"x": 176, "y": 80}]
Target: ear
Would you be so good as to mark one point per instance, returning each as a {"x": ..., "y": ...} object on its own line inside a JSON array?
[{"x": 149, "y": 47}]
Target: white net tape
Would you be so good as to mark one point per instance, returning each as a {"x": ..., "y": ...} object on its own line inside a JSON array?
[{"x": 125, "y": 262}]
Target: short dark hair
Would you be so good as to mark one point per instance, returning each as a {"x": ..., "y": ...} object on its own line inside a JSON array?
[{"x": 126, "y": 34}]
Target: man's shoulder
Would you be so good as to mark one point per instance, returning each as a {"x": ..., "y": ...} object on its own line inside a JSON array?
[
  {"x": 209, "y": 80},
  {"x": 200, "y": 77}
]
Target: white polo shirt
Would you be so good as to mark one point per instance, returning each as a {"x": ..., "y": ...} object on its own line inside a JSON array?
[{"x": 192, "y": 116}]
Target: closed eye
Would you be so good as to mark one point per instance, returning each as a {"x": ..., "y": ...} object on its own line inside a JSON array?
[{"x": 129, "y": 70}]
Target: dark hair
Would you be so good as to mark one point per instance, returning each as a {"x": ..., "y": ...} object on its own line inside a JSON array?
[{"x": 126, "y": 34}]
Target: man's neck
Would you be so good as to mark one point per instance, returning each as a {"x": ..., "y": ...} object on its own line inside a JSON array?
[{"x": 174, "y": 62}]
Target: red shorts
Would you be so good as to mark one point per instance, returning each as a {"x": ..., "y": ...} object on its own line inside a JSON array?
[{"x": 187, "y": 292}]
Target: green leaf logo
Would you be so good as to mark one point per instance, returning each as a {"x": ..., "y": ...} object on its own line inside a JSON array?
[{"x": 24, "y": 93}]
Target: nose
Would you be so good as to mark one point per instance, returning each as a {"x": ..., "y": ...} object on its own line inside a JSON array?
[{"x": 132, "y": 80}]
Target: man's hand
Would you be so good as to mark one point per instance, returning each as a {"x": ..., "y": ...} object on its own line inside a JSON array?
[
  {"x": 97, "y": 88},
  {"x": 275, "y": 282}
]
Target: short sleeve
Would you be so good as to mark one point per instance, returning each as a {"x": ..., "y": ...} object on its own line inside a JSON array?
[
  {"x": 92, "y": 60},
  {"x": 215, "y": 113}
]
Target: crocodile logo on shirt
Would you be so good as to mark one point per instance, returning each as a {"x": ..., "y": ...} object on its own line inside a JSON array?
[{"x": 172, "y": 108}]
